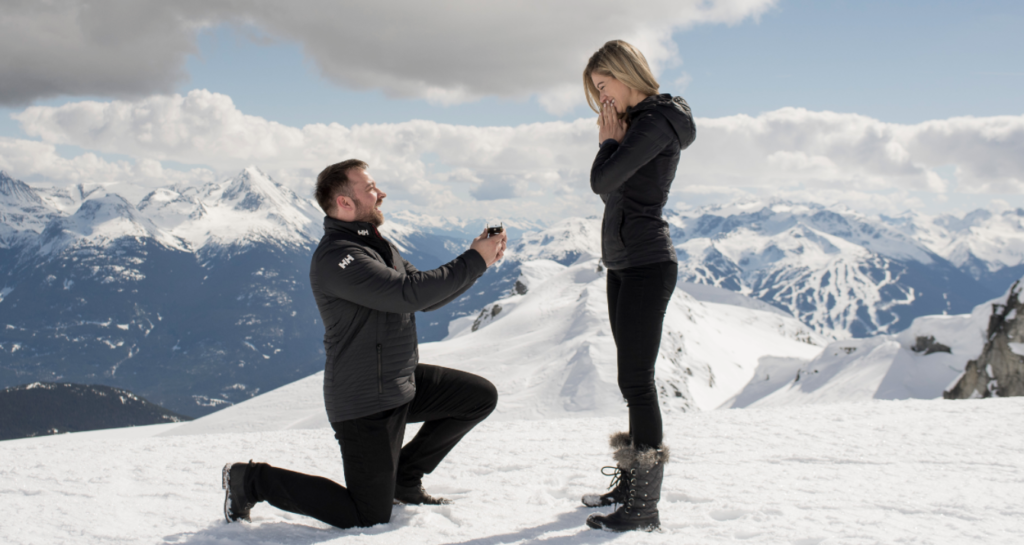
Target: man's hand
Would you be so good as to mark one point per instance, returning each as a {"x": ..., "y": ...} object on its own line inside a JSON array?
[{"x": 490, "y": 248}]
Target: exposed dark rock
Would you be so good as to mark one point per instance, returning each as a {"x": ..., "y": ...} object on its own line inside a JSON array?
[
  {"x": 929, "y": 346},
  {"x": 999, "y": 371},
  {"x": 520, "y": 288},
  {"x": 486, "y": 315},
  {"x": 47, "y": 408}
]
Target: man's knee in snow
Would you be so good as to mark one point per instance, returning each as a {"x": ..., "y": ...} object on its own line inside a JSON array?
[{"x": 485, "y": 396}]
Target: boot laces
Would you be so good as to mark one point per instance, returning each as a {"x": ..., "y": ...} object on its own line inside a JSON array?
[
  {"x": 629, "y": 481},
  {"x": 616, "y": 475}
]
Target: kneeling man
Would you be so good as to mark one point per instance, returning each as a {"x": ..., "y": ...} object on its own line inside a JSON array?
[{"x": 373, "y": 381}]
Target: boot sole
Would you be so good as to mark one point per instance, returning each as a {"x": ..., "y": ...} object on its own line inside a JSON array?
[
  {"x": 224, "y": 478},
  {"x": 655, "y": 527}
]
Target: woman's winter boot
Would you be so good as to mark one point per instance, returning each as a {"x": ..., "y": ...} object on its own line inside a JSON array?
[{"x": 643, "y": 472}]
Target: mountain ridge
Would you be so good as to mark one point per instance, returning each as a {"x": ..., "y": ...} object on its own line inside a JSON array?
[{"x": 198, "y": 296}]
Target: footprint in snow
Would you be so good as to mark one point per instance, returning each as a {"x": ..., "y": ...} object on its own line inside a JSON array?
[{"x": 728, "y": 514}]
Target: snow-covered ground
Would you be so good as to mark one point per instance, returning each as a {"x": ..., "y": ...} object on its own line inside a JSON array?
[{"x": 880, "y": 472}]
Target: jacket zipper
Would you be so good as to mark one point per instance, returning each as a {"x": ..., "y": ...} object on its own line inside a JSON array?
[{"x": 380, "y": 372}]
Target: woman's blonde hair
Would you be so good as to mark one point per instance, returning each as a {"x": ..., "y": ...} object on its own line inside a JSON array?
[{"x": 623, "y": 62}]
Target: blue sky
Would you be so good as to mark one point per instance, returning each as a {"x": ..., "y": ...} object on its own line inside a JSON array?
[
  {"x": 897, "y": 64},
  {"x": 901, "y": 61},
  {"x": 897, "y": 61}
]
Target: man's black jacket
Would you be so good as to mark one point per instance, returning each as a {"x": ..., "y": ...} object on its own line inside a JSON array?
[
  {"x": 367, "y": 294},
  {"x": 633, "y": 178}
]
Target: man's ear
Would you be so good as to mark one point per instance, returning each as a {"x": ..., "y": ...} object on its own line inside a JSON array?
[{"x": 343, "y": 203}]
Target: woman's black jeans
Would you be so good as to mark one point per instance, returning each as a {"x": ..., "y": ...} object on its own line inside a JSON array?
[{"x": 637, "y": 299}]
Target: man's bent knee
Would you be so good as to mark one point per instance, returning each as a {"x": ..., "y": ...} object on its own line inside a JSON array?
[
  {"x": 378, "y": 514},
  {"x": 491, "y": 397},
  {"x": 485, "y": 398}
]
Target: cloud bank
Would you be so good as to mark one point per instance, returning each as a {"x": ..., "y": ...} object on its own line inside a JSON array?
[
  {"x": 446, "y": 52},
  {"x": 541, "y": 168}
]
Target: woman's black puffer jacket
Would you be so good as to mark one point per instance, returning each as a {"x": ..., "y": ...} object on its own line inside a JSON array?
[{"x": 633, "y": 178}]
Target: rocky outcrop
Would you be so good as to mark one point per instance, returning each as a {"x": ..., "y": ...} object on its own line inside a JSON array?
[
  {"x": 928, "y": 345},
  {"x": 999, "y": 371}
]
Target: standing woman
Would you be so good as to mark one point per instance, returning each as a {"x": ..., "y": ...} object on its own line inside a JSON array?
[{"x": 641, "y": 135}]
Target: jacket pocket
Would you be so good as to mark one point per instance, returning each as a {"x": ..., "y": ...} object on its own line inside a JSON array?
[
  {"x": 611, "y": 244},
  {"x": 618, "y": 232},
  {"x": 380, "y": 371}
]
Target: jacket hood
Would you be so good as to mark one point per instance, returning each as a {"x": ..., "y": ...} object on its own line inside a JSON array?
[{"x": 675, "y": 110}]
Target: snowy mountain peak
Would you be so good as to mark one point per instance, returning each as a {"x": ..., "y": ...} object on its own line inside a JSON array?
[
  {"x": 455, "y": 226},
  {"x": 16, "y": 192},
  {"x": 252, "y": 189},
  {"x": 980, "y": 243},
  {"x": 22, "y": 212},
  {"x": 246, "y": 208},
  {"x": 68, "y": 199},
  {"x": 969, "y": 220},
  {"x": 170, "y": 206},
  {"x": 840, "y": 271},
  {"x": 778, "y": 217},
  {"x": 100, "y": 221},
  {"x": 564, "y": 242}
]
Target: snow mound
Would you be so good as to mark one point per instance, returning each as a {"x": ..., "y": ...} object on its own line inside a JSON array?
[
  {"x": 882, "y": 367},
  {"x": 551, "y": 353}
]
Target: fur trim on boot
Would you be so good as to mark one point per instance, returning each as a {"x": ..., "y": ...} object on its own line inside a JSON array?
[
  {"x": 620, "y": 440},
  {"x": 643, "y": 459}
]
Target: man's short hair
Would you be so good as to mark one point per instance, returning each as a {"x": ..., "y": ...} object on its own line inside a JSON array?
[{"x": 333, "y": 181}]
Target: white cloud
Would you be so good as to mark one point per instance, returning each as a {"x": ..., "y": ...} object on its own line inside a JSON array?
[
  {"x": 113, "y": 48},
  {"x": 40, "y": 163},
  {"x": 988, "y": 152},
  {"x": 207, "y": 129},
  {"x": 793, "y": 146},
  {"x": 457, "y": 51},
  {"x": 541, "y": 169},
  {"x": 446, "y": 52}
]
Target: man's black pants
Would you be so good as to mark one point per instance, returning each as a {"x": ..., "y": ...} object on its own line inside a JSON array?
[
  {"x": 448, "y": 402},
  {"x": 637, "y": 299}
]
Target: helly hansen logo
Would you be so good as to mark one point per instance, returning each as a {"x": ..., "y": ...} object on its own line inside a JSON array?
[
  {"x": 345, "y": 262},
  {"x": 364, "y": 232}
]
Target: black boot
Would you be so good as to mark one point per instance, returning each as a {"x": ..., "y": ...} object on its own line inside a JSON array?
[
  {"x": 617, "y": 492},
  {"x": 236, "y": 503},
  {"x": 416, "y": 495},
  {"x": 643, "y": 473}
]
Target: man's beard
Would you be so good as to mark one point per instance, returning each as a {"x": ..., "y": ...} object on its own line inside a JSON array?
[{"x": 371, "y": 215}]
